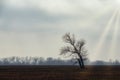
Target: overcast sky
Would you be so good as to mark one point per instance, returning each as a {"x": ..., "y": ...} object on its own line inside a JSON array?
[{"x": 36, "y": 27}]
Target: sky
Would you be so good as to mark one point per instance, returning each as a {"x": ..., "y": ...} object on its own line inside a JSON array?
[{"x": 35, "y": 27}]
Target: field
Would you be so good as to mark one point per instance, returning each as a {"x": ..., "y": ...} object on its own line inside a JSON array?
[{"x": 59, "y": 73}]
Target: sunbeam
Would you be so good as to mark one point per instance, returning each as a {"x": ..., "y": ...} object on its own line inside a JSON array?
[
  {"x": 101, "y": 41},
  {"x": 112, "y": 50}
]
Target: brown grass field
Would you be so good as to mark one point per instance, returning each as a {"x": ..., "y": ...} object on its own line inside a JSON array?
[{"x": 59, "y": 73}]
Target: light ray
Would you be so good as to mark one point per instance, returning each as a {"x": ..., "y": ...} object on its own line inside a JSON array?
[
  {"x": 104, "y": 35},
  {"x": 112, "y": 50}
]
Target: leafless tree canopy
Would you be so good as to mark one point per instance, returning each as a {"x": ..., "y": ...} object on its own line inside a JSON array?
[{"x": 74, "y": 48}]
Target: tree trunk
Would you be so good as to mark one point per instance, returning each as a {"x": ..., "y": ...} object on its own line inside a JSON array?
[
  {"x": 82, "y": 62},
  {"x": 80, "y": 65}
]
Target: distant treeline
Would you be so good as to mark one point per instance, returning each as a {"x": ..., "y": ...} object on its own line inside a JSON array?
[
  {"x": 49, "y": 61},
  {"x": 33, "y": 61}
]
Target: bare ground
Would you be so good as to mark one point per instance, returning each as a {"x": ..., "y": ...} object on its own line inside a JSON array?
[{"x": 59, "y": 73}]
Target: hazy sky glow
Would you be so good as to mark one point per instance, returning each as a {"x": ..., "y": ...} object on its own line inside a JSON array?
[{"x": 36, "y": 27}]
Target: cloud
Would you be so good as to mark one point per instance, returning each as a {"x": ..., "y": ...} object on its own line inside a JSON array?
[{"x": 35, "y": 24}]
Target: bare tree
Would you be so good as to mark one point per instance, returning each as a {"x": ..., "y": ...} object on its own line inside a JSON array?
[{"x": 75, "y": 49}]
